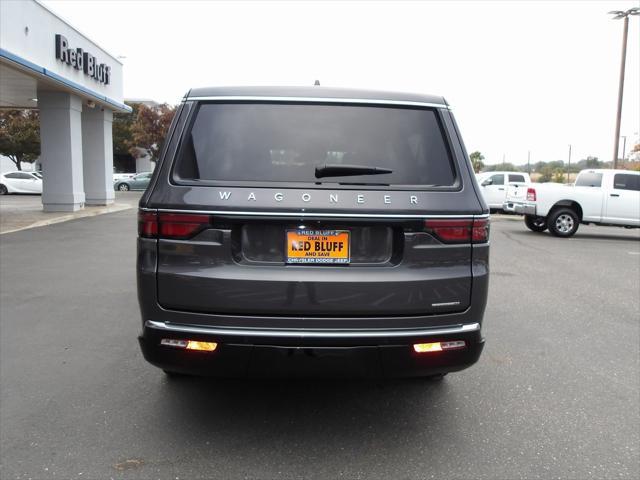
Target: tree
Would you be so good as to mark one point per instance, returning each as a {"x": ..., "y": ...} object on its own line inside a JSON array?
[
  {"x": 20, "y": 135},
  {"x": 477, "y": 161},
  {"x": 510, "y": 167},
  {"x": 558, "y": 175},
  {"x": 590, "y": 162},
  {"x": 122, "y": 130},
  {"x": 546, "y": 173},
  {"x": 556, "y": 165},
  {"x": 538, "y": 166},
  {"x": 149, "y": 129}
]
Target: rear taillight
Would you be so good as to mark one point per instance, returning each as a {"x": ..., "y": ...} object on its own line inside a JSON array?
[
  {"x": 480, "y": 232},
  {"x": 178, "y": 226},
  {"x": 148, "y": 224},
  {"x": 531, "y": 194},
  {"x": 459, "y": 231},
  {"x": 181, "y": 226},
  {"x": 450, "y": 231}
]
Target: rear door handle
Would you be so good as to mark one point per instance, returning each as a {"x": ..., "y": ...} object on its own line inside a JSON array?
[{"x": 614, "y": 194}]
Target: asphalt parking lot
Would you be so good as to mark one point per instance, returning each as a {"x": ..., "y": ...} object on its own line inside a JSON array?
[{"x": 555, "y": 395}]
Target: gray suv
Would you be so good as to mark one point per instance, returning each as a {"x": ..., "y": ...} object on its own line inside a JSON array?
[{"x": 300, "y": 231}]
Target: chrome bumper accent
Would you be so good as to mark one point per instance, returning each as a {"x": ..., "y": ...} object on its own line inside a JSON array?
[
  {"x": 248, "y": 332},
  {"x": 509, "y": 207},
  {"x": 520, "y": 208}
]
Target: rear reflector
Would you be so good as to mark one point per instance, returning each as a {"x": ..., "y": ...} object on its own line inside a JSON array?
[
  {"x": 202, "y": 346},
  {"x": 438, "y": 346},
  {"x": 189, "y": 344},
  {"x": 459, "y": 231},
  {"x": 171, "y": 225}
]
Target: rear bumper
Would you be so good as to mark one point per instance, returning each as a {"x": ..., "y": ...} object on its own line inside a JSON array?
[
  {"x": 509, "y": 207},
  {"x": 520, "y": 208},
  {"x": 287, "y": 353}
]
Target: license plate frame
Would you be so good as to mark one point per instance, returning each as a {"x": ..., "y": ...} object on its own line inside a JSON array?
[{"x": 310, "y": 256}]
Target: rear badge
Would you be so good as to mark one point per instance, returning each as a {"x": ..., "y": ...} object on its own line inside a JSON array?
[{"x": 318, "y": 246}]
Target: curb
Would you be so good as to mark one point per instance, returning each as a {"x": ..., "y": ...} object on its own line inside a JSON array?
[{"x": 116, "y": 207}]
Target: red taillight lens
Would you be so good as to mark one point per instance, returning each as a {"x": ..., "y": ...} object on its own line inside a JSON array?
[
  {"x": 181, "y": 226},
  {"x": 148, "y": 224},
  {"x": 459, "y": 231},
  {"x": 480, "y": 233},
  {"x": 531, "y": 194},
  {"x": 450, "y": 231},
  {"x": 171, "y": 225}
]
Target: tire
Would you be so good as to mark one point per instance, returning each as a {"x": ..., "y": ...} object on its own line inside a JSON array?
[
  {"x": 3, "y": 190},
  {"x": 123, "y": 187},
  {"x": 535, "y": 224},
  {"x": 563, "y": 222}
]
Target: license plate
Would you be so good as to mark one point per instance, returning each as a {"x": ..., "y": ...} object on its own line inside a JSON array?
[{"x": 317, "y": 246}]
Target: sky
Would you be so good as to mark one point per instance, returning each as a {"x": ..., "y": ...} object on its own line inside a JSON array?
[{"x": 521, "y": 76}]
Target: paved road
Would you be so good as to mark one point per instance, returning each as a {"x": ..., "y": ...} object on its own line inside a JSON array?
[{"x": 556, "y": 393}]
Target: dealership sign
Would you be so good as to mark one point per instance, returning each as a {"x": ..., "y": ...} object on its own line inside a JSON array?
[{"x": 81, "y": 60}]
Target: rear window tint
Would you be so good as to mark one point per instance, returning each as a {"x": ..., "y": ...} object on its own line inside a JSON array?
[
  {"x": 241, "y": 142},
  {"x": 497, "y": 179},
  {"x": 589, "y": 179},
  {"x": 516, "y": 178},
  {"x": 625, "y": 181}
]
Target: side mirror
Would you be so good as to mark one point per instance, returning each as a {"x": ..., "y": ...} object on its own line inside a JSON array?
[{"x": 488, "y": 181}]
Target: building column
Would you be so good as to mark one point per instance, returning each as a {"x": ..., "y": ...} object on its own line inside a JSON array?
[
  {"x": 97, "y": 151},
  {"x": 61, "y": 151}
]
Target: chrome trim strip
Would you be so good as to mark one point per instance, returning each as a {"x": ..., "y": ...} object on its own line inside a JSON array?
[
  {"x": 445, "y": 304},
  {"x": 310, "y": 214},
  {"x": 322, "y": 100},
  {"x": 469, "y": 327}
]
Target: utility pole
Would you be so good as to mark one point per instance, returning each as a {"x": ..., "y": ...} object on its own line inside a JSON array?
[
  {"x": 569, "y": 164},
  {"x": 624, "y": 146},
  {"x": 618, "y": 14},
  {"x": 529, "y": 162}
]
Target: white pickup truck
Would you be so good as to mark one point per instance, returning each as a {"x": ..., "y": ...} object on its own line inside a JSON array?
[
  {"x": 493, "y": 186},
  {"x": 601, "y": 197}
]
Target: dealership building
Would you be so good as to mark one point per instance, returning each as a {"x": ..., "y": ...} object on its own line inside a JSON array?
[{"x": 76, "y": 85}]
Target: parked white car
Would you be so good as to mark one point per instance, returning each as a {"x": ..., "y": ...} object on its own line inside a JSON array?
[
  {"x": 601, "y": 197},
  {"x": 493, "y": 186},
  {"x": 20, "y": 182},
  {"x": 122, "y": 176}
]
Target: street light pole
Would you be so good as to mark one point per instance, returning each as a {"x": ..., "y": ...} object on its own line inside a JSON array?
[{"x": 618, "y": 14}]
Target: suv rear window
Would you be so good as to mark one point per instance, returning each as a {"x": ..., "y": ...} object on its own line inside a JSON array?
[{"x": 242, "y": 142}]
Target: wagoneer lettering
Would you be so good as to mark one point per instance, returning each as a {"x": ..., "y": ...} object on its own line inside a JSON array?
[{"x": 279, "y": 223}]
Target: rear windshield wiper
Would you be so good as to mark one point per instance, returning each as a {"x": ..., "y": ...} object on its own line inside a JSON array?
[
  {"x": 336, "y": 170},
  {"x": 366, "y": 183}
]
